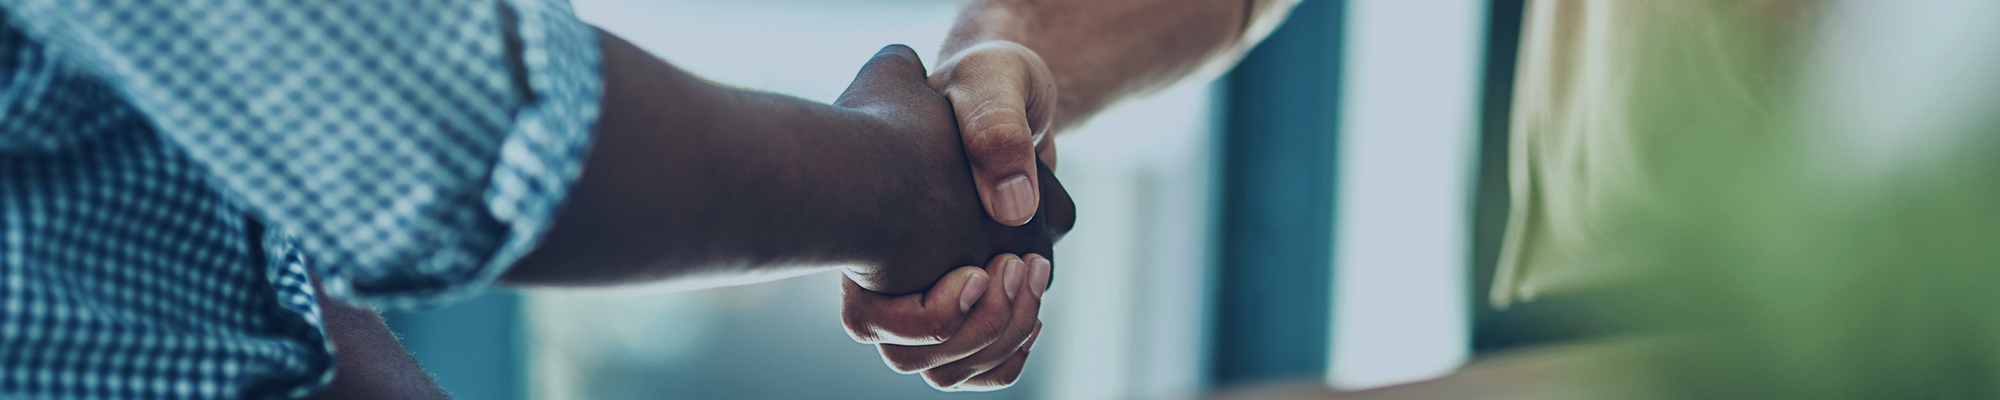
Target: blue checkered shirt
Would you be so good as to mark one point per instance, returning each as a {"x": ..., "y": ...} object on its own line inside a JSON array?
[{"x": 174, "y": 173}]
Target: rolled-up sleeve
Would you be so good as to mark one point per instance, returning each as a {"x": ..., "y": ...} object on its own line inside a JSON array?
[{"x": 415, "y": 149}]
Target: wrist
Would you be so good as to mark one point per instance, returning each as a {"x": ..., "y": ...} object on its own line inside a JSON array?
[
  {"x": 924, "y": 218},
  {"x": 993, "y": 20},
  {"x": 883, "y": 212},
  {"x": 878, "y": 221}
]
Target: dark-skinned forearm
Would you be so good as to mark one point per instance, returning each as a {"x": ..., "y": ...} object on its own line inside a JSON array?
[{"x": 689, "y": 178}]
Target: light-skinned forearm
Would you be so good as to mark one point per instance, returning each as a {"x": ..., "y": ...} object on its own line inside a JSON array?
[{"x": 1103, "y": 50}]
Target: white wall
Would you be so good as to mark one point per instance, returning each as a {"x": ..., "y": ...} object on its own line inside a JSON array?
[
  {"x": 1408, "y": 134},
  {"x": 1125, "y": 317}
]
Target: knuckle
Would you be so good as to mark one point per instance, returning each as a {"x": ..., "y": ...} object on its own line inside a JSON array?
[
  {"x": 993, "y": 129},
  {"x": 1000, "y": 138},
  {"x": 927, "y": 332},
  {"x": 982, "y": 330},
  {"x": 926, "y": 338},
  {"x": 935, "y": 331},
  {"x": 903, "y": 364},
  {"x": 858, "y": 328}
]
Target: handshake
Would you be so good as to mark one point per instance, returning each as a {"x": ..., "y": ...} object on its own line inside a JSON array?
[
  {"x": 972, "y": 328},
  {"x": 920, "y": 126},
  {"x": 945, "y": 247}
]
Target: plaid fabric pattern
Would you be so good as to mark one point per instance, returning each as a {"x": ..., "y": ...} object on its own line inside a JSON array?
[{"x": 171, "y": 171}]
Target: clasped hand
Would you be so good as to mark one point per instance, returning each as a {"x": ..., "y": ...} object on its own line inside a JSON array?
[{"x": 933, "y": 310}]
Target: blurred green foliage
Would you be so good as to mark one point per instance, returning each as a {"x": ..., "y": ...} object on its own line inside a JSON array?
[{"x": 1780, "y": 271}]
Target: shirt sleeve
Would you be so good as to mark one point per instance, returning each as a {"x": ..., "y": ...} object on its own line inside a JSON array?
[{"x": 415, "y": 149}]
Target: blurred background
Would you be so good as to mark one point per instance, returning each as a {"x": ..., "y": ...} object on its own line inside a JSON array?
[{"x": 1328, "y": 211}]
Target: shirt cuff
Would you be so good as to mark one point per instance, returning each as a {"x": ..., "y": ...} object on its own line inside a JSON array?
[{"x": 540, "y": 157}]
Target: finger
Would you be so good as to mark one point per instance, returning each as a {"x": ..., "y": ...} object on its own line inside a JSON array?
[
  {"x": 912, "y": 319},
  {"x": 1041, "y": 272},
  {"x": 1004, "y": 375},
  {"x": 988, "y": 323},
  {"x": 889, "y": 71},
  {"x": 1004, "y": 97},
  {"x": 1026, "y": 319}
]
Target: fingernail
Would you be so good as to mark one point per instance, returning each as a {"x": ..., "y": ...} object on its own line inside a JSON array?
[
  {"x": 1016, "y": 271},
  {"x": 1013, "y": 199},
  {"x": 974, "y": 287},
  {"x": 1038, "y": 281}
]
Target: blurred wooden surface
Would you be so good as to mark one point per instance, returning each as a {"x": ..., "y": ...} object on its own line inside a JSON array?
[{"x": 1571, "y": 371}]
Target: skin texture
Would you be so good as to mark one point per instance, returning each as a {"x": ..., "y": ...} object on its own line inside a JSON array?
[
  {"x": 984, "y": 348},
  {"x": 689, "y": 179},
  {"x": 1006, "y": 60},
  {"x": 370, "y": 363},
  {"x": 1003, "y": 64},
  {"x": 692, "y": 180},
  {"x": 1003, "y": 95}
]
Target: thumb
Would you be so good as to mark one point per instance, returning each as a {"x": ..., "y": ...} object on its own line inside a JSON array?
[
  {"x": 914, "y": 319},
  {"x": 1004, "y": 97}
]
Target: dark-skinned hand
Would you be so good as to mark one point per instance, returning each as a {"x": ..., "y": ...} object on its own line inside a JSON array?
[{"x": 966, "y": 329}]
